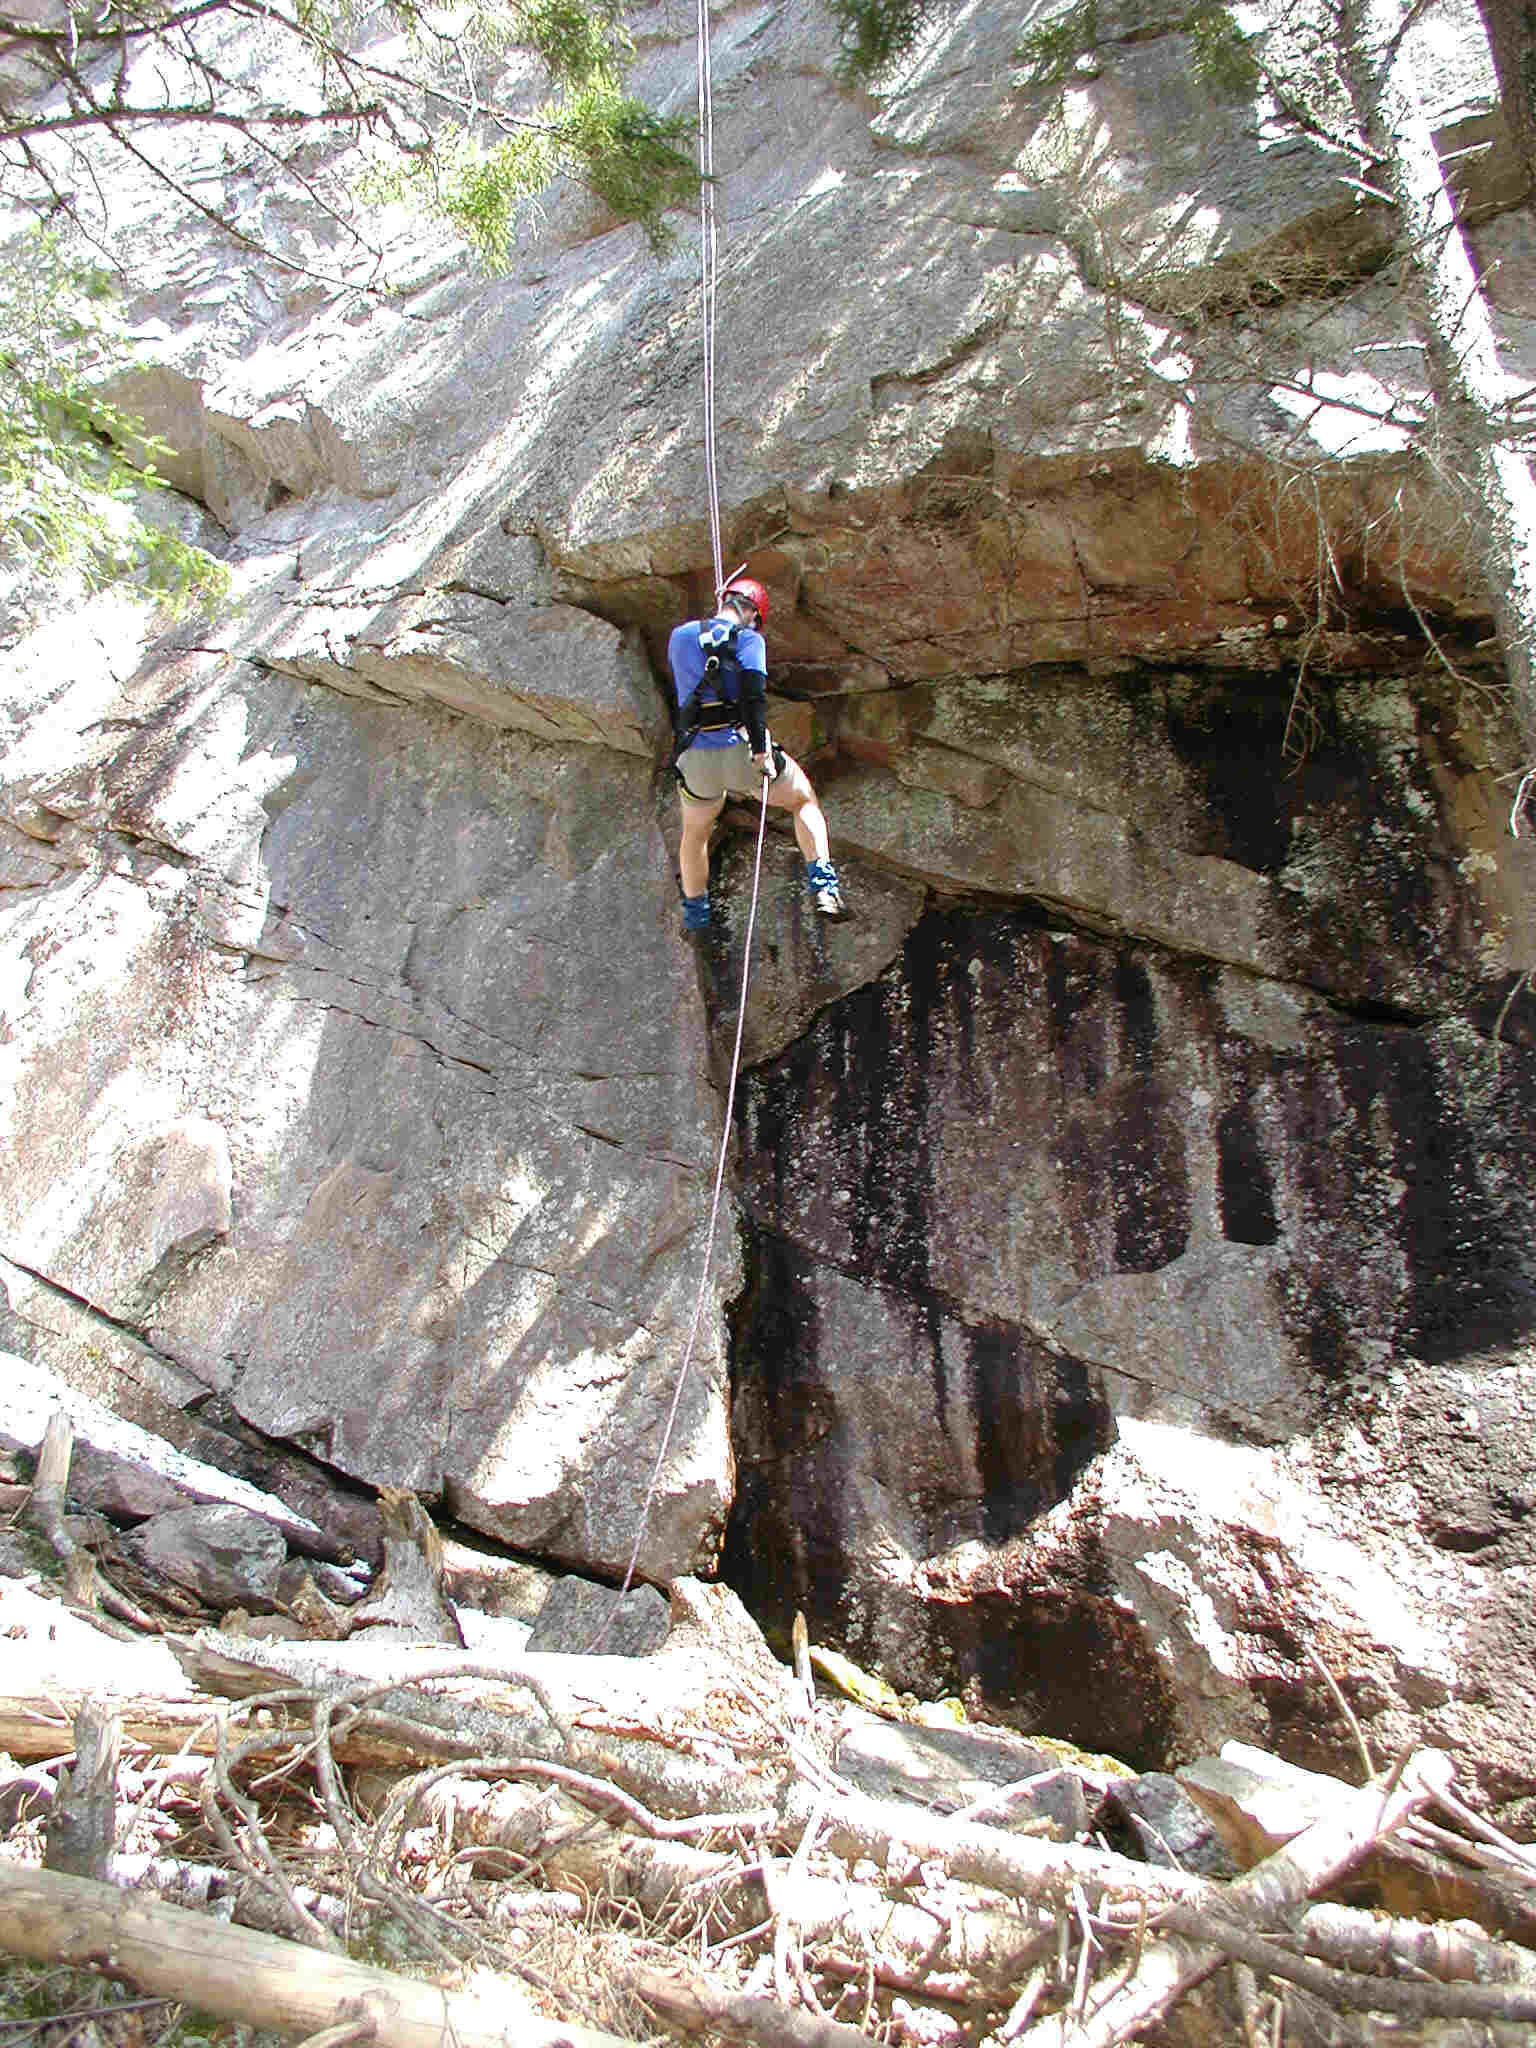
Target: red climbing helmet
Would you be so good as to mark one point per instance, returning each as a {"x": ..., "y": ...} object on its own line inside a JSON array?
[{"x": 753, "y": 591}]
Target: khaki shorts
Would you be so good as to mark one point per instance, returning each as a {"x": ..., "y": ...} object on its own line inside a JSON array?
[{"x": 708, "y": 773}]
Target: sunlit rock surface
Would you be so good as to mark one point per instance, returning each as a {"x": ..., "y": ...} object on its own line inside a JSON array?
[{"x": 1155, "y": 1135}]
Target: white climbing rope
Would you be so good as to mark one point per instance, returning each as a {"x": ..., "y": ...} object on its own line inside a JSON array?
[
  {"x": 708, "y": 251},
  {"x": 709, "y": 1241}
]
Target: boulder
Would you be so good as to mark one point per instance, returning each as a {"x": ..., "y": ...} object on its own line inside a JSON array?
[
  {"x": 226, "y": 1556},
  {"x": 1168, "y": 1826},
  {"x": 581, "y": 1617},
  {"x": 122, "y": 1471}
]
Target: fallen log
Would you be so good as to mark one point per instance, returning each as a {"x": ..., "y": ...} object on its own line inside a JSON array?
[
  {"x": 237, "y": 1974},
  {"x": 36, "y": 1726},
  {"x": 1257, "y": 1802},
  {"x": 1350, "y": 1939},
  {"x": 1047, "y": 1872},
  {"x": 1354, "y": 1991},
  {"x": 650, "y": 1724}
]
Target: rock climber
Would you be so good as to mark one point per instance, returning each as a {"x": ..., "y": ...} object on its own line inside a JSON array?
[{"x": 720, "y": 675}]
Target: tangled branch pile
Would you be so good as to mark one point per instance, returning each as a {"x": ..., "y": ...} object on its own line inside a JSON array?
[{"x": 561, "y": 1847}]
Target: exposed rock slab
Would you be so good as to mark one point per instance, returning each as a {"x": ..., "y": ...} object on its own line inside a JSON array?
[{"x": 260, "y": 915}]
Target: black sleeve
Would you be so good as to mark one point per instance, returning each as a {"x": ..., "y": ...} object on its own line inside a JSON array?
[{"x": 751, "y": 699}]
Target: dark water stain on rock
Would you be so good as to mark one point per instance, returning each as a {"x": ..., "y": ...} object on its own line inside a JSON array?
[
  {"x": 1243, "y": 1185},
  {"x": 1071, "y": 982},
  {"x": 1138, "y": 1010},
  {"x": 1012, "y": 1099},
  {"x": 1468, "y": 1239},
  {"x": 1066, "y": 1659},
  {"x": 1148, "y": 1179},
  {"x": 1229, "y": 733},
  {"x": 1040, "y": 1418},
  {"x": 785, "y": 1532},
  {"x": 1352, "y": 828},
  {"x": 958, "y": 1431}
]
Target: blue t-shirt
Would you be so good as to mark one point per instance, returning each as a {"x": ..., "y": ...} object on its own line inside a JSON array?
[{"x": 687, "y": 658}]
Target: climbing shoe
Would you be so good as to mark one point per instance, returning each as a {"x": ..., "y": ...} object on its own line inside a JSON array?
[
  {"x": 696, "y": 913},
  {"x": 826, "y": 896}
]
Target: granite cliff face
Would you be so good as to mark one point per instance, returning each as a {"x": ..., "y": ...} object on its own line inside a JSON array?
[{"x": 1129, "y": 1284}]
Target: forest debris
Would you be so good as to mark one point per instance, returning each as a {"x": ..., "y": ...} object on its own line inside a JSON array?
[
  {"x": 1350, "y": 1991},
  {"x": 1170, "y": 1966},
  {"x": 1366, "y": 1942},
  {"x": 898, "y": 1941},
  {"x": 703, "y": 2008},
  {"x": 603, "y": 1810},
  {"x": 1257, "y": 1802},
  {"x": 238, "y": 1974},
  {"x": 1045, "y": 1872},
  {"x": 300, "y": 1598},
  {"x": 864, "y": 1686}
]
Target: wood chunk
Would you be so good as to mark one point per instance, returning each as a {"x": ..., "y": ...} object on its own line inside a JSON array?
[
  {"x": 411, "y": 1593},
  {"x": 82, "y": 1822}
]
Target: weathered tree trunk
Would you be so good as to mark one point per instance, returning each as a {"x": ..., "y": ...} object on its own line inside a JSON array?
[
  {"x": 50, "y": 1486},
  {"x": 238, "y": 1974},
  {"x": 411, "y": 1592},
  {"x": 1511, "y": 26},
  {"x": 1459, "y": 333}
]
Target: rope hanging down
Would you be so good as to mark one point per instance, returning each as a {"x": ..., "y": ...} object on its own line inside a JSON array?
[
  {"x": 709, "y": 1241},
  {"x": 708, "y": 250}
]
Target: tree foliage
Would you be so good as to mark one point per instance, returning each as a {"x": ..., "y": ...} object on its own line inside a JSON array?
[
  {"x": 418, "y": 88},
  {"x": 878, "y": 33},
  {"x": 69, "y": 498},
  {"x": 394, "y": 101},
  {"x": 1221, "y": 56}
]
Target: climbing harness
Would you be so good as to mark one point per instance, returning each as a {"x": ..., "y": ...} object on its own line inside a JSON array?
[
  {"x": 718, "y": 650},
  {"x": 723, "y": 692}
]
